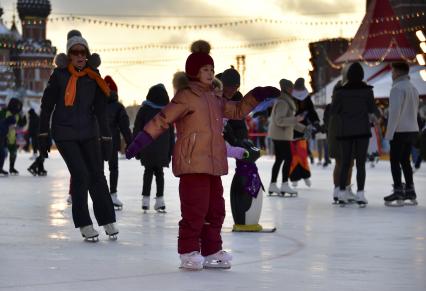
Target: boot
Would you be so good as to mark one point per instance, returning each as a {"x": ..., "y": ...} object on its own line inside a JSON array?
[
  {"x": 111, "y": 230},
  {"x": 360, "y": 199},
  {"x": 410, "y": 194},
  {"x": 219, "y": 260},
  {"x": 159, "y": 205},
  {"x": 285, "y": 188},
  {"x": 89, "y": 233},
  {"x": 145, "y": 202},
  {"x": 117, "y": 203},
  {"x": 273, "y": 188},
  {"x": 191, "y": 261},
  {"x": 396, "y": 198}
]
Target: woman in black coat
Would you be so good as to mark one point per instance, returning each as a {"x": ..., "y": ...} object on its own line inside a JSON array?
[
  {"x": 158, "y": 154},
  {"x": 76, "y": 98},
  {"x": 352, "y": 107}
]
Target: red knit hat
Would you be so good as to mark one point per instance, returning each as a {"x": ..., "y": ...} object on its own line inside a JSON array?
[
  {"x": 199, "y": 58},
  {"x": 111, "y": 84}
]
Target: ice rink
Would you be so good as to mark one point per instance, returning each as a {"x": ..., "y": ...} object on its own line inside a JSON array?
[{"x": 317, "y": 245}]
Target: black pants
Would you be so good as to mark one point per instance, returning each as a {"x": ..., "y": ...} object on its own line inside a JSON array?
[
  {"x": 353, "y": 149},
  {"x": 147, "y": 180},
  {"x": 113, "y": 171},
  {"x": 400, "y": 150},
  {"x": 282, "y": 153},
  {"x": 85, "y": 164}
]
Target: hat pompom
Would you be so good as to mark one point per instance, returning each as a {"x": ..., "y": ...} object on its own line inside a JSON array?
[
  {"x": 94, "y": 61},
  {"x": 73, "y": 33},
  {"x": 200, "y": 46},
  {"x": 61, "y": 61}
]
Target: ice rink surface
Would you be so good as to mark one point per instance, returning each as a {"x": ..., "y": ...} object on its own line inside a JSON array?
[{"x": 317, "y": 245}]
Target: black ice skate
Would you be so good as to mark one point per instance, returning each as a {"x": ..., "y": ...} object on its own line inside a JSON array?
[
  {"x": 41, "y": 172},
  {"x": 410, "y": 197},
  {"x": 33, "y": 170},
  {"x": 13, "y": 172},
  {"x": 3, "y": 173},
  {"x": 396, "y": 199}
]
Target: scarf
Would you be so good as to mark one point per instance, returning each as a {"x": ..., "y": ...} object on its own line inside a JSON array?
[
  {"x": 71, "y": 89},
  {"x": 152, "y": 104}
]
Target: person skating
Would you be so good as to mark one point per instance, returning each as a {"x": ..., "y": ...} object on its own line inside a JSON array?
[
  {"x": 283, "y": 123},
  {"x": 5, "y": 124},
  {"x": 299, "y": 168},
  {"x": 157, "y": 155},
  {"x": 199, "y": 157},
  {"x": 352, "y": 106},
  {"x": 14, "y": 108},
  {"x": 402, "y": 130},
  {"x": 77, "y": 96},
  {"x": 37, "y": 167},
  {"x": 118, "y": 121}
]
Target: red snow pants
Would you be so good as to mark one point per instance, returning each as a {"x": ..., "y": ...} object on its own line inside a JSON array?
[{"x": 203, "y": 213}]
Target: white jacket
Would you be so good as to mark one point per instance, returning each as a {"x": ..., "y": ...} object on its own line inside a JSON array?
[{"x": 403, "y": 107}]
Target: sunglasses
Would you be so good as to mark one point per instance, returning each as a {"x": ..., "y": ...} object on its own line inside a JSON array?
[{"x": 78, "y": 53}]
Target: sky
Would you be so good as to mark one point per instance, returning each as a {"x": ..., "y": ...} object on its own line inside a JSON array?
[{"x": 136, "y": 71}]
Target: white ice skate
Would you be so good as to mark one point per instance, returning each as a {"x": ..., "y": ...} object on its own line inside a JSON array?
[
  {"x": 342, "y": 197},
  {"x": 294, "y": 183},
  {"x": 117, "y": 203},
  {"x": 360, "y": 199},
  {"x": 350, "y": 194},
  {"x": 308, "y": 182},
  {"x": 336, "y": 195},
  {"x": 273, "y": 188},
  {"x": 89, "y": 233},
  {"x": 111, "y": 231},
  {"x": 145, "y": 203},
  {"x": 159, "y": 205},
  {"x": 219, "y": 260},
  {"x": 285, "y": 188},
  {"x": 69, "y": 199},
  {"x": 191, "y": 261}
]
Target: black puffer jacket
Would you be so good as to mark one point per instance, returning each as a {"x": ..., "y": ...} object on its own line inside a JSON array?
[
  {"x": 235, "y": 131},
  {"x": 306, "y": 107},
  {"x": 159, "y": 152},
  {"x": 351, "y": 106},
  {"x": 118, "y": 121},
  {"x": 77, "y": 122}
]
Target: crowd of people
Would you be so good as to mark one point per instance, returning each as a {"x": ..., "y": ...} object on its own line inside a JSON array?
[{"x": 197, "y": 129}]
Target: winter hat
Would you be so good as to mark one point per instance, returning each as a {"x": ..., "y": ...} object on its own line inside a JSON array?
[
  {"x": 231, "y": 77},
  {"x": 285, "y": 85},
  {"x": 355, "y": 73},
  {"x": 198, "y": 58},
  {"x": 111, "y": 84},
  {"x": 74, "y": 37},
  {"x": 158, "y": 95},
  {"x": 300, "y": 92}
]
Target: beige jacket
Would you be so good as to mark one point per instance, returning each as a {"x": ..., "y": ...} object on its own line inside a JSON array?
[
  {"x": 198, "y": 113},
  {"x": 283, "y": 120}
]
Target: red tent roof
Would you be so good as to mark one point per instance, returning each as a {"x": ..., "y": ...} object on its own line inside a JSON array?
[{"x": 379, "y": 38}]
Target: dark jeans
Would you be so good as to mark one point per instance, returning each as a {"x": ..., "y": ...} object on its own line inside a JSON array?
[
  {"x": 322, "y": 146},
  {"x": 113, "y": 171},
  {"x": 353, "y": 149},
  {"x": 400, "y": 150},
  {"x": 147, "y": 180},
  {"x": 282, "y": 153},
  {"x": 85, "y": 164}
]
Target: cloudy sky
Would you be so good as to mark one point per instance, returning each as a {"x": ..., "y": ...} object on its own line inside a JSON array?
[{"x": 265, "y": 65}]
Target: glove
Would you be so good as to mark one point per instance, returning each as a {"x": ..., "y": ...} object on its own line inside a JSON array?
[
  {"x": 106, "y": 147},
  {"x": 307, "y": 133},
  {"x": 261, "y": 93},
  {"x": 142, "y": 140},
  {"x": 44, "y": 144}
]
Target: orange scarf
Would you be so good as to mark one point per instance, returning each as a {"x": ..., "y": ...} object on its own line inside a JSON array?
[{"x": 71, "y": 89}]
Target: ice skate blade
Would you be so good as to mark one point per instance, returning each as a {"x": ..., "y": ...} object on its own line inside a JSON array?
[
  {"x": 118, "y": 207},
  {"x": 411, "y": 203},
  {"x": 283, "y": 194},
  {"x": 189, "y": 269},
  {"x": 113, "y": 237},
  {"x": 91, "y": 239},
  {"x": 362, "y": 205},
  {"x": 217, "y": 267},
  {"x": 162, "y": 211},
  {"x": 397, "y": 204}
]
